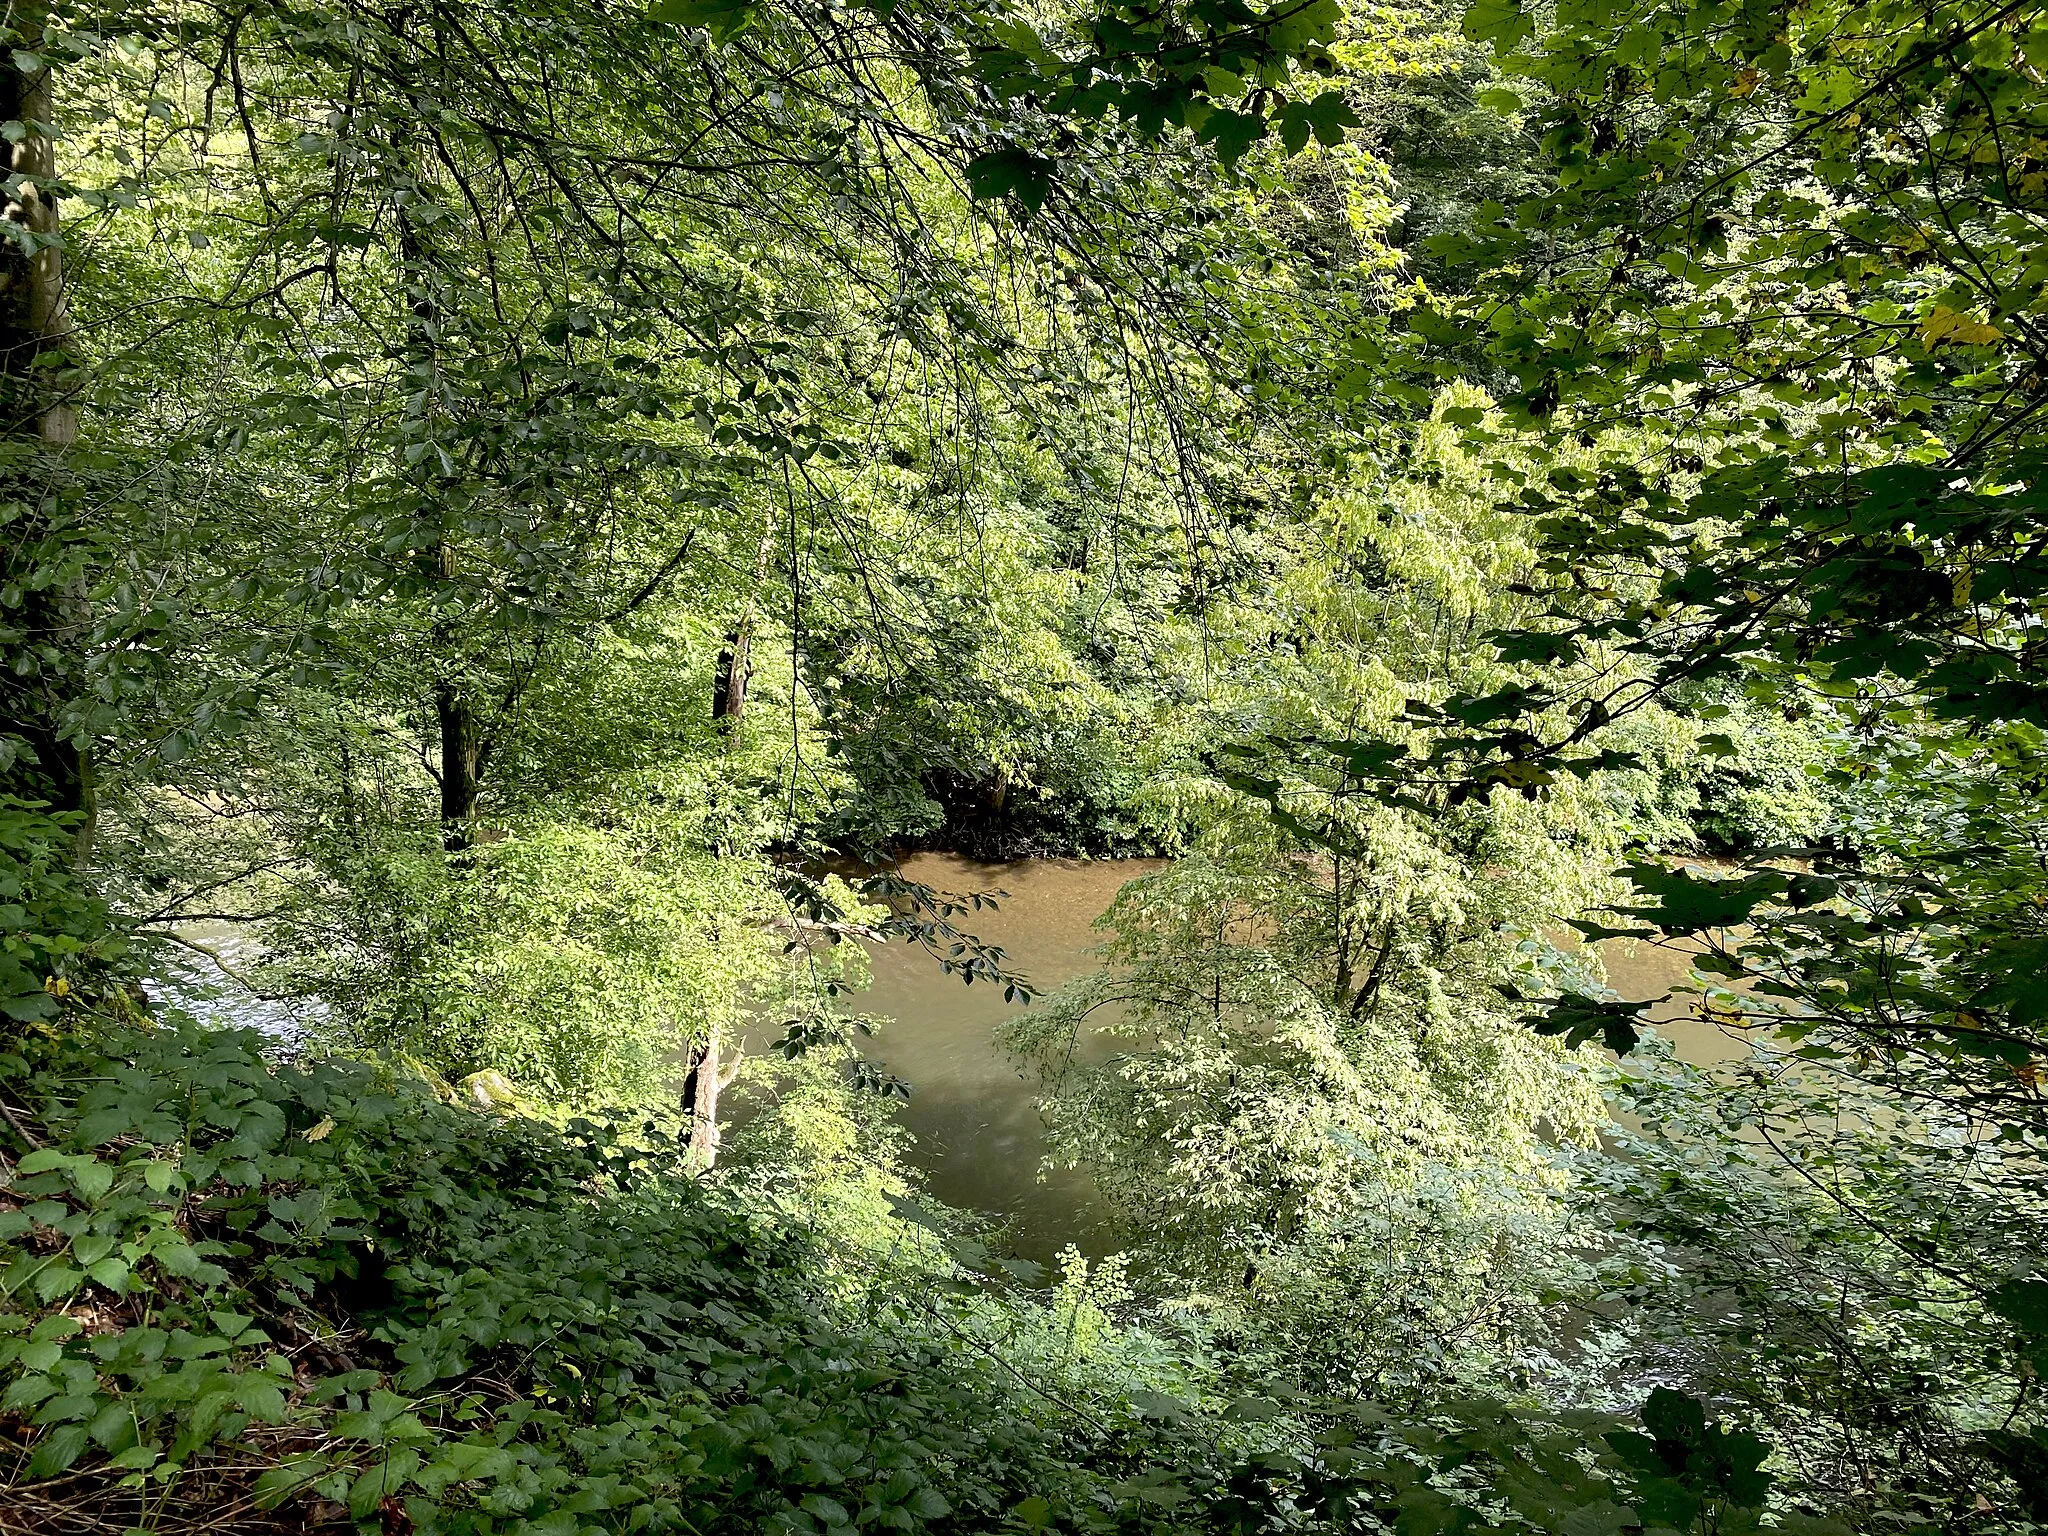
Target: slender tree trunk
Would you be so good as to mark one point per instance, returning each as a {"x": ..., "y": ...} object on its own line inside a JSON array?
[
  {"x": 735, "y": 663},
  {"x": 1343, "y": 927},
  {"x": 460, "y": 751},
  {"x": 454, "y": 719},
  {"x": 1370, "y": 991},
  {"x": 713, "y": 1066},
  {"x": 461, "y": 746},
  {"x": 35, "y": 336}
]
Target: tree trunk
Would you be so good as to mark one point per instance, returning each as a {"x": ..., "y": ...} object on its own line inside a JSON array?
[
  {"x": 455, "y": 721},
  {"x": 729, "y": 687},
  {"x": 459, "y": 757},
  {"x": 735, "y": 662},
  {"x": 35, "y": 336},
  {"x": 713, "y": 1066}
]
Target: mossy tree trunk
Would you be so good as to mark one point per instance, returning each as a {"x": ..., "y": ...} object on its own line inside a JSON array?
[{"x": 39, "y": 534}]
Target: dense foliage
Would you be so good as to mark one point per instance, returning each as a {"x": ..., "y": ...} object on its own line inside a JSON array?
[{"x": 512, "y": 515}]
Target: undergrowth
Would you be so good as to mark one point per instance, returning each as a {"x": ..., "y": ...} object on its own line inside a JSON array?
[
  {"x": 250, "y": 1296},
  {"x": 316, "y": 1285}
]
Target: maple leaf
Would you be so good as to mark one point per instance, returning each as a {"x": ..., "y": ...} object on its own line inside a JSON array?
[{"x": 1953, "y": 325}]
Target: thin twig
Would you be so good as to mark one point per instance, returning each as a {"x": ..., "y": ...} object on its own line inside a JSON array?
[{"x": 7, "y": 1112}]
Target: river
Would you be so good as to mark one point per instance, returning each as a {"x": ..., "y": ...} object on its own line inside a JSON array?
[{"x": 973, "y": 1112}]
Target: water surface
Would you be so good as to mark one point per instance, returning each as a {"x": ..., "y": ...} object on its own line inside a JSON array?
[
  {"x": 972, "y": 1109},
  {"x": 973, "y": 1112}
]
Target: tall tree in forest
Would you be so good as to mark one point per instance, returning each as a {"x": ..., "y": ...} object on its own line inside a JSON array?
[{"x": 42, "y": 756}]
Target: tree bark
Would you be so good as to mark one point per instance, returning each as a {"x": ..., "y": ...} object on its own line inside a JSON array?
[
  {"x": 35, "y": 338},
  {"x": 729, "y": 687},
  {"x": 713, "y": 1066},
  {"x": 735, "y": 661},
  {"x": 455, "y": 720},
  {"x": 460, "y": 754},
  {"x": 35, "y": 312}
]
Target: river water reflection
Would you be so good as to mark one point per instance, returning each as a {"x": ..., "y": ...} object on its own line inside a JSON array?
[
  {"x": 979, "y": 1143},
  {"x": 972, "y": 1109}
]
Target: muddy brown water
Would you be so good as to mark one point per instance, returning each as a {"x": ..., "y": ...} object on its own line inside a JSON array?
[
  {"x": 972, "y": 1109},
  {"x": 973, "y": 1112}
]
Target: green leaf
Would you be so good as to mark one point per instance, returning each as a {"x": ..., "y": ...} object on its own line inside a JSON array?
[
  {"x": 723, "y": 19},
  {"x": 57, "y": 1450},
  {"x": 1330, "y": 114},
  {"x": 2024, "y": 1304},
  {"x": 261, "y": 1398},
  {"x": 1232, "y": 132},
  {"x": 56, "y": 1279},
  {"x": 1501, "y": 22},
  {"x": 381, "y": 1482},
  {"x": 1605, "y": 1518},
  {"x": 1010, "y": 173},
  {"x": 831, "y": 1511},
  {"x": 1516, "y": 646},
  {"x": 1674, "y": 1417},
  {"x": 111, "y": 1273},
  {"x": 1687, "y": 904},
  {"x": 279, "y": 1483},
  {"x": 1439, "y": 330},
  {"x": 1617, "y": 1025}
]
